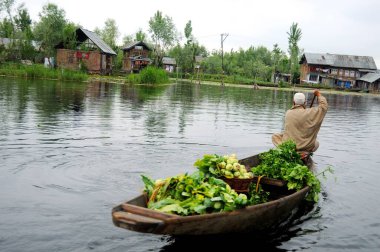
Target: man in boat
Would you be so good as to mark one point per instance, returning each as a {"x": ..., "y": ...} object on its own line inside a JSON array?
[{"x": 302, "y": 124}]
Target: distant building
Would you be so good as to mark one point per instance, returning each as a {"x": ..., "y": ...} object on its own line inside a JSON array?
[
  {"x": 6, "y": 42},
  {"x": 335, "y": 70},
  {"x": 279, "y": 77},
  {"x": 169, "y": 64},
  {"x": 135, "y": 57},
  {"x": 370, "y": 82},
  {"x": 91, "y": 53}
]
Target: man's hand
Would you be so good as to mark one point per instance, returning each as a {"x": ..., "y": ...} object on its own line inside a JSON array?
[{"x": 316, "y": 92}]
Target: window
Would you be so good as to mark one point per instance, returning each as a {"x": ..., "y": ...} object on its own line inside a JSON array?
[
  {"x": 346, "y": 73},
  {"x": 334, "y": 71},
  {"x": 352, "y": 73},
  {"x": 313, "y": 77}
]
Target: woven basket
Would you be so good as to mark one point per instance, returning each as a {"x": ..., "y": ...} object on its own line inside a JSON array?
[{"x": 239, "y": 185}]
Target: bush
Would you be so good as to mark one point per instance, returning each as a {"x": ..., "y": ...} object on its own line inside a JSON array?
[
  {"x": 149, "y": 75},
  {"x": 134, "y": 78}
]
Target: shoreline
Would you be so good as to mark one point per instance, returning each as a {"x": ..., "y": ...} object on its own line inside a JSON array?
[
  {"x": 293, "y": 89},
  {"x": 121, "y": 80}
]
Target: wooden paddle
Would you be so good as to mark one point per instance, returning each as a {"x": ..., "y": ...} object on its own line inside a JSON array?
[{"x": 312, "y": 101}]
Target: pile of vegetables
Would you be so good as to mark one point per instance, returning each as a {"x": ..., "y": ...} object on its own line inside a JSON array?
[
  {"x": 222, "y": 166},
  {"x": 204, "y": 191},
  {"x": 285, "y": 163},
  {"x": 192, "y": 194}
]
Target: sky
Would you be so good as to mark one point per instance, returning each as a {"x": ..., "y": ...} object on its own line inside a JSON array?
[{"x": 350, "y": 27}]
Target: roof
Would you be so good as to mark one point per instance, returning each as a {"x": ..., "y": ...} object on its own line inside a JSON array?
[
  {"x": 370, "y": 77},
  {"x": 83, "y": 34},
  {"x": 338, "y": 60},
  {"x": 198, "y": 59},
  {"x": 6, "y": 42},
  {"x": 130, "y": 45},
  {"x": 168, "y": 61}
]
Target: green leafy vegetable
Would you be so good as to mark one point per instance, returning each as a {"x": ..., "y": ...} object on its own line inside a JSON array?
[
  {"x": 192, "y": 194},
  {"x": 285, "y": 163}
]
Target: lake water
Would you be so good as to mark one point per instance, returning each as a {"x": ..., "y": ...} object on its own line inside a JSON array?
[{"x": 69, "y": 152}]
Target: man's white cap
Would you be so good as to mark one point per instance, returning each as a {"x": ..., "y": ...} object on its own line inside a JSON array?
[{"x": 299, "y": 98}]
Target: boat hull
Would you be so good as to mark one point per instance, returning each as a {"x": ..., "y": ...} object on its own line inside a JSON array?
[{"x": 134, "y": 214}]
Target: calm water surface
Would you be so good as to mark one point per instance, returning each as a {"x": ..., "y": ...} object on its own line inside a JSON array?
[{"x": 69, "y": 152}]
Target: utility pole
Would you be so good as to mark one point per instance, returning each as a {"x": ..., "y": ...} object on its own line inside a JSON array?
[{"x": 223, "y": 37}]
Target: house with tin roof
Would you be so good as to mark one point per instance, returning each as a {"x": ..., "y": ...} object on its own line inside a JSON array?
[
  {"x": 90, "y": 53},
  {"x": 169, "y": 64},
  {"x": 370, "y": 82},
  {"x": 135, "y": 56},
  {"x": 335, "y": 70}
]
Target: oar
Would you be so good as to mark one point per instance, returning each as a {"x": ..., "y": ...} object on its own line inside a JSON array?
[{"x": 312, "y": 101}]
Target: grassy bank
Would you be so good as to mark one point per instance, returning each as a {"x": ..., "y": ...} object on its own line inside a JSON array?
[{"x": 38, "y": 71}]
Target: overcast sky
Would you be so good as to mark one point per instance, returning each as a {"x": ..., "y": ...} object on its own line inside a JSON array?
[{"x": 328, "y": 26}]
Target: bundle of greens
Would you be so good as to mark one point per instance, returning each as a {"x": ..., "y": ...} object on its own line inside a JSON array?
[
  {"x": 192, "y": 194},
  {"x": 285, "y": 163}
]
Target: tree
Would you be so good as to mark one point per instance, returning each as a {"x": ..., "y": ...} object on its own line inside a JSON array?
[
  {"x": 6, "y": 28},
  {"x": 294, "y": 36},
  {"x": 163, "y": 34},
  {"x": 140, "y": 35},
  {"x": 17, "y": 27},
  {"x": 127, "y": 39},
  {"x": 24, "y": 34},
  {"x": 69, "y": 35},
  {"x": 50, "y": 28},
  {"x": 188, "y": 32},
  {"x": 109, "y": 33},
  {"x": 23, "y": 21},
  {"x": 8, "y": 5}
]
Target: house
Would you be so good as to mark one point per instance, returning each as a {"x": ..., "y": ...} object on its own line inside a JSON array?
[
  {"x": 135, "y": 57},
  {"x": 279, "y": 77},
  {"x": 370, "y": 82},
  {"x": 169, "y": 64},
  {"x": 198, "y": 61},
  {"x": 335, "y": 70},
  {"x": 91, "y": 54},
  {"x": 6, "y": 43}
]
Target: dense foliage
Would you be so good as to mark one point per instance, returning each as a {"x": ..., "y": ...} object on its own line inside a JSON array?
[
  {"x": 149, "y": 75},
  {"x": 34, "y": 40},
  {"x": 285, "y": 163},
  {"x": 40, "y": 72}
]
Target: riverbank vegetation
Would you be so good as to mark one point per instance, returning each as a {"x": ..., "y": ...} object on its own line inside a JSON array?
[
  {"x": 38, "y": 71},
  {"x": 149, "y": 75},
  {"x": 25, "y": 39},
  {"x": 22, "y": 40}
]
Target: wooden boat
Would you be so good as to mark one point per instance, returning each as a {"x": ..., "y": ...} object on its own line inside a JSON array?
[{"x": 134, "y": 214}]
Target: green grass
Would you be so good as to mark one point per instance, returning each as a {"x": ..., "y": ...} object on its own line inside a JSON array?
[
  {"x": 38, "y": 71},
  {"x": 149, "y": 75}
]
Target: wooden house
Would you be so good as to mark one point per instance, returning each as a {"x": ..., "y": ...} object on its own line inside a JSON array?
[
  {"x": 335, "y": 70},
  {"x": 169, "y": 64},
  {"x": 91, "y": 53},
  {"x": 135, "y": 57},
  {"x": 370, "y": 82},
  {"x": 279, "y": 77}
]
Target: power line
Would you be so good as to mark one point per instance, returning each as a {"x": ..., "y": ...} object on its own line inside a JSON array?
[{"x": 223, "y": 37}]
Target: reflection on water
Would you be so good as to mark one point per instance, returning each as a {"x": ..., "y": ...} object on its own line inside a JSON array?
[{"x": 69, "y": 152}]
